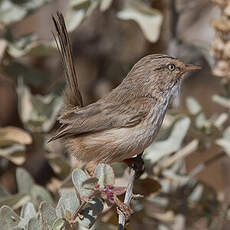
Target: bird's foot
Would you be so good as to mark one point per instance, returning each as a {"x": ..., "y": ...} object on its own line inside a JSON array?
[
  {"x": 137, "y": 164},
  {"x": 123, "y": 208}
]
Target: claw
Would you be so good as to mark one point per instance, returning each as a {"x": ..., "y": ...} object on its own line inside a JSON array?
[{"x": 123, "y": 208}]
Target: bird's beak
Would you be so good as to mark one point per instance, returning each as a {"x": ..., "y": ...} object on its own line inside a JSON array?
[{"x": 189, "y": 68}]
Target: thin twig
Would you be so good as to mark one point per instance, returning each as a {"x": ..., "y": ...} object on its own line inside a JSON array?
[
  {"x": 205, "y": 164},
  {"x": 127, "y": 200}
]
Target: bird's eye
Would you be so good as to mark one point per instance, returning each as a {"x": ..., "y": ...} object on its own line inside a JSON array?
[{"x": 171, "y": 67}]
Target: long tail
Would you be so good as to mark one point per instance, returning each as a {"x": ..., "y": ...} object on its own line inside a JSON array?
[{"x": 73, "y": 96}]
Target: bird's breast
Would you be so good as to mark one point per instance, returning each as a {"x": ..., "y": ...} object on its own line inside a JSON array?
[{"x": 151, "y": 125}]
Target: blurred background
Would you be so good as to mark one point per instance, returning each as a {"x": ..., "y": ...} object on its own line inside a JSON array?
[{"x": 189, "y": 160}]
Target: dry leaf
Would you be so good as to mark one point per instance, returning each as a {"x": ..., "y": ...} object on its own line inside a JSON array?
[{"x": 11, "y": 135}]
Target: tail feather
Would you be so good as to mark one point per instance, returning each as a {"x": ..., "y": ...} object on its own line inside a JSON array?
[{"x": 73, "y": 96}]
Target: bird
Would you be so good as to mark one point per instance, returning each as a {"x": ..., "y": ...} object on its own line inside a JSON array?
[{"x": 125, "y": 122}]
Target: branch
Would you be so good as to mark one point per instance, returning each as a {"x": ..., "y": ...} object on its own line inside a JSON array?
[
  {"x": 205, "y": 164},
  {"x": 128, "y": 197}
]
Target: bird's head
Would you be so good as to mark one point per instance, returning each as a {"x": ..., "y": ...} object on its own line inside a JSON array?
[{"x": 159, "y": 72}]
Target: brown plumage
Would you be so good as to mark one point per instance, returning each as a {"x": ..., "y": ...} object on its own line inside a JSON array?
[{"x": 127, "y": 120}]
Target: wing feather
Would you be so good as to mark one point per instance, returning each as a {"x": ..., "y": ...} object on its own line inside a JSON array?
[{"x": 97, "y": 117}]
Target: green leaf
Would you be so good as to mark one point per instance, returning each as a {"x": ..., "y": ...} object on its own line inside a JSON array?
[
  {"x": 15, "y": 201},
  {"x": 48, "y": 214},
  {"x": 149, "y": 20},
  {"x": 90, "y": 213},
  {"x": 78, "y": 177},
  {"x": 27, "y": 212},
  {"x": 8, "y": 218},
  {"x": 34, "y": 224},
  {"x": 90, "y": 183},
  {"x": 160, "y": 149},
  {"x": 67, "y": 204},
  {"x": 59, "y": 224},
  {"x": 24, "y": 181},
  {"x": 39, "y": 194},
  {"x": 105, "y": 175}
]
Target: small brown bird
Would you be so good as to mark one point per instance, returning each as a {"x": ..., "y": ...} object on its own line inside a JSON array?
[{"x": 126, "y": 121}]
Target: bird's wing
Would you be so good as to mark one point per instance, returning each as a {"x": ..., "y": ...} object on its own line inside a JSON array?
[{"x": 98, "y": 116}]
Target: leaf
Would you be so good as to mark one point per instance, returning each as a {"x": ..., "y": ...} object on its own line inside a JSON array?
[
  {"x": 11, "y": 135},
  {"x": 59, "y": 224},
  {"x": 38, "y": 113},
  {"x": 193, "y": 105},
  {"x": 39, "y": 194},
  {"x": 149, "y": 20},
  {"x": 223, "y": 101},
  {"x": 119, "y": 168},
  {"x": 59, "y": 164},
  {"x": 196, "y": 194},
  {"x": 48, "y": 214},
  {"x": 3, "y": 46},
  {"x": 90, "y": 213},
  {"x": 31, "y": 75},
  {"x": 29, "y": 46},
  {"x": 160, "y": 149},
  {"x": 224, "y": 142},
  {"x": 78, "y": 177},
  {"x": 79, "y": 9},
  {"x": 11, "y": 12},
  {"x": 67, "y": 204},
  {"x": 27, "y": 212},
  {"x": 15, "y": 201},
  {"x": 34, "y": 224},
  {"x": 3, "y": 192},
  {"x": 90, "y": 183},
  {"x": 8, "y": 218},
  {"x": 146, "y": 186},
  {"x": 76, "y": 13},
  {"x": 14, "y": 153},
  {"x": 105, "y": 4},
  {"x": 24, "y": 181},
  {"x": 119, "y": 190},
  {"x": 105, "y": 175}
]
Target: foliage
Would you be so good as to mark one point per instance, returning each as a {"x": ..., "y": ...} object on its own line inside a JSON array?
[{"x": 73, "y": 199}]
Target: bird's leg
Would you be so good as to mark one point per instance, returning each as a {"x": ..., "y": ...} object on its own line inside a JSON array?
[
  {"x": 137, "y": 164},
  {"x": 123, "y": 208}
]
